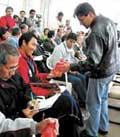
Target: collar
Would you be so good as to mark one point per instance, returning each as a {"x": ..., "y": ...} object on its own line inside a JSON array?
[
  {"x": 67, "y": 49},
  {"x": 24, "y": 55},
  {"x": 93, "y": 22}
]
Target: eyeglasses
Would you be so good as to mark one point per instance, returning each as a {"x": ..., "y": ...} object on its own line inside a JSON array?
[{"x": 11, "y": 69}]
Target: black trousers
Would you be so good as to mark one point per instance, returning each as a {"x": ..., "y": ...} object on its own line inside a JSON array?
[{"x": 67, "y": 111}]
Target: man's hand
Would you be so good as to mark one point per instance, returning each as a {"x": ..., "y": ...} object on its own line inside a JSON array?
[
  {"x": 32, "y": 108},
  {"x": 64, "y": 67},
  {"x": 29, "y": 112},
  {"x": 41, "y": 126}
]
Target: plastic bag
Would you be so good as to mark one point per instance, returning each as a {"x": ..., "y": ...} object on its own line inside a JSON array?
[{"x": 49, "y": 131}]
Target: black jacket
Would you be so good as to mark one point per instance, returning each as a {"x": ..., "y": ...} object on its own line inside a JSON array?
[
  {"x": 102, "y": 50},
  {"x": 14, "y": 95}
]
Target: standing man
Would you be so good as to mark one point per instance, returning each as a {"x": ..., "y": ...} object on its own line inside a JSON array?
[{"x": 101, "y": 65}]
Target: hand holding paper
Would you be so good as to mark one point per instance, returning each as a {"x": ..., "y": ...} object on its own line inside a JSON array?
[{"x": 61, "y": 67}]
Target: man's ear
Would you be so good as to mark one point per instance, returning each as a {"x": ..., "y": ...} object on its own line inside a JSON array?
[
  {"x": 91, "y": 14},
  {"x": 23, "y": 43}
]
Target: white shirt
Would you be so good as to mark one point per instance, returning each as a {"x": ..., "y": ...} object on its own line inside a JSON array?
[{"x": 61, "y": 51}]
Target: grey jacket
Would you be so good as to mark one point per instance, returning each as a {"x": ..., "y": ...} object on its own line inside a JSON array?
[
  {"x": 16, "y": 128},
  {"x": 102, "y": 50}
]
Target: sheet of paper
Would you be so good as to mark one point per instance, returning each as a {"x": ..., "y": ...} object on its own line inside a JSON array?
[
  {"x": 38, "y": 58},
  {"x": 47, "y": 103}
]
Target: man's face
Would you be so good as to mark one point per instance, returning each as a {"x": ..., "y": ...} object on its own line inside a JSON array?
[
  {"x": 6, "y": 35},
  {"x": 22, "y": 14},
  {"x": 85, "y": 20},
  {"x": 70, "y": 43},
  {"x": 60, "y": 33},
  {"x": 60, "y": 18},
  {"x": 30, "y": 47},
  {"x": 9, "y": 12},
  {"x": 9, "y": 69},
  {"x": 32, "y": 14},
  {"x": 25, "y": 29}
]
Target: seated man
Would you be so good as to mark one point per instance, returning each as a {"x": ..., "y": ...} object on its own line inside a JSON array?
[
  {"x": 14, "y": 99},
  {"x": 65, "y": 51},
  {"x": 65, "y": 104}
]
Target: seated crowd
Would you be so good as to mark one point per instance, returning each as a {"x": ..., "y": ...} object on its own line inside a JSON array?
[{"x": 20, "y": 41}]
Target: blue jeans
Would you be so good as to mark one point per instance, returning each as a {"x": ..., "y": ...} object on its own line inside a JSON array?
[
  {"x": 79, "y": 84},
  {"x": 97, "y": 105}
]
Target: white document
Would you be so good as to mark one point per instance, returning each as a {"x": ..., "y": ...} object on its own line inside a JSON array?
[
  {"x": 47, "y": 103},
  {"x": 38, "y": 58}
]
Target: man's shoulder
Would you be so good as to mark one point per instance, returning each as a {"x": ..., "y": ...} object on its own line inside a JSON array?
[
  {"x": 101, "y": 25},
  {"x": 60, "y": 47},
  {"x": 2, "y": 18}
]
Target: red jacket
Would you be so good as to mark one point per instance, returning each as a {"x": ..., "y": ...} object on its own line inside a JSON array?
[
  {"x": 7, "y": 21},
  {"x": 24, "y": 72}
]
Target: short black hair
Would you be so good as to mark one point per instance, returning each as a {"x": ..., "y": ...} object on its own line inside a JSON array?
[
  {"x": 22, "y": 11},
  {"x": 3, "y": 30},
  {"x": 26, "y": 37},
  {"x": 32, "y": 10},
  {"x": 60, "y": 13},
  {"x": 15, "y": 31},
  {"x": 51, "y": 33},
  {"x": 46, "y": 29},
  {"x": 15, "y": 16},
  {"x": 83, "y": 9},
  {"x": 8, "y": 8},
  {"x": 72, "y": 36}
]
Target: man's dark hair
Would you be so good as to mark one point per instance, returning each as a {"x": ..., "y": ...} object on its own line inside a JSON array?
[
  {"x": 15, "y": 31},
  {"x": 15, "y": 16},
  {"x": 72, "y": 36},
  {"x": 60, "y": 14},
  {"x": 83, "y": 9},
  {"x": 46, "y": 29},
  {"x": 8, "y": 8},
  {"x": 51, "y": 33},
  {"x": 22, "y": 26},
  {"x": 26, "y": 37},
  {"x": 22, "y": 11},
  {"x": 6, "y": 50},
  {"x": 3, "y": 30},
  {"x": 32, "y": 10}
]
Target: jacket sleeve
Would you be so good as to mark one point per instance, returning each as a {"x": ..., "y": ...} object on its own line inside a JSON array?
[
  {"x": 8, "y": 125},
  {"x": 23, "y": 70},
  {"x": 41, "y": 76},
  {"x": 94, "y": 55},
  {"x": 2, "y": 21}
]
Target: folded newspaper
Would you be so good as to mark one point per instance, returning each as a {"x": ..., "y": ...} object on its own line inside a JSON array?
[{"x": 48, "y": 103}]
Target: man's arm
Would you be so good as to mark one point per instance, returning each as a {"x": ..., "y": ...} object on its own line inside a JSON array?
[
  {"x": 95, "y": 51},
  {"x": 8, "y": 125},
  {"x": 23, "y": 124}
]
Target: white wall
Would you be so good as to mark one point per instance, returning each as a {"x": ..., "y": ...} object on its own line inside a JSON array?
[
  {"x": 17, "y": 6},
  {"x": 108, "y": 8}
]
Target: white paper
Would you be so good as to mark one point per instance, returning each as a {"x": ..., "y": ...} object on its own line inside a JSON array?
[
  {"x": 38, "y": 58},
  {"x": 47, "y": 103}
]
